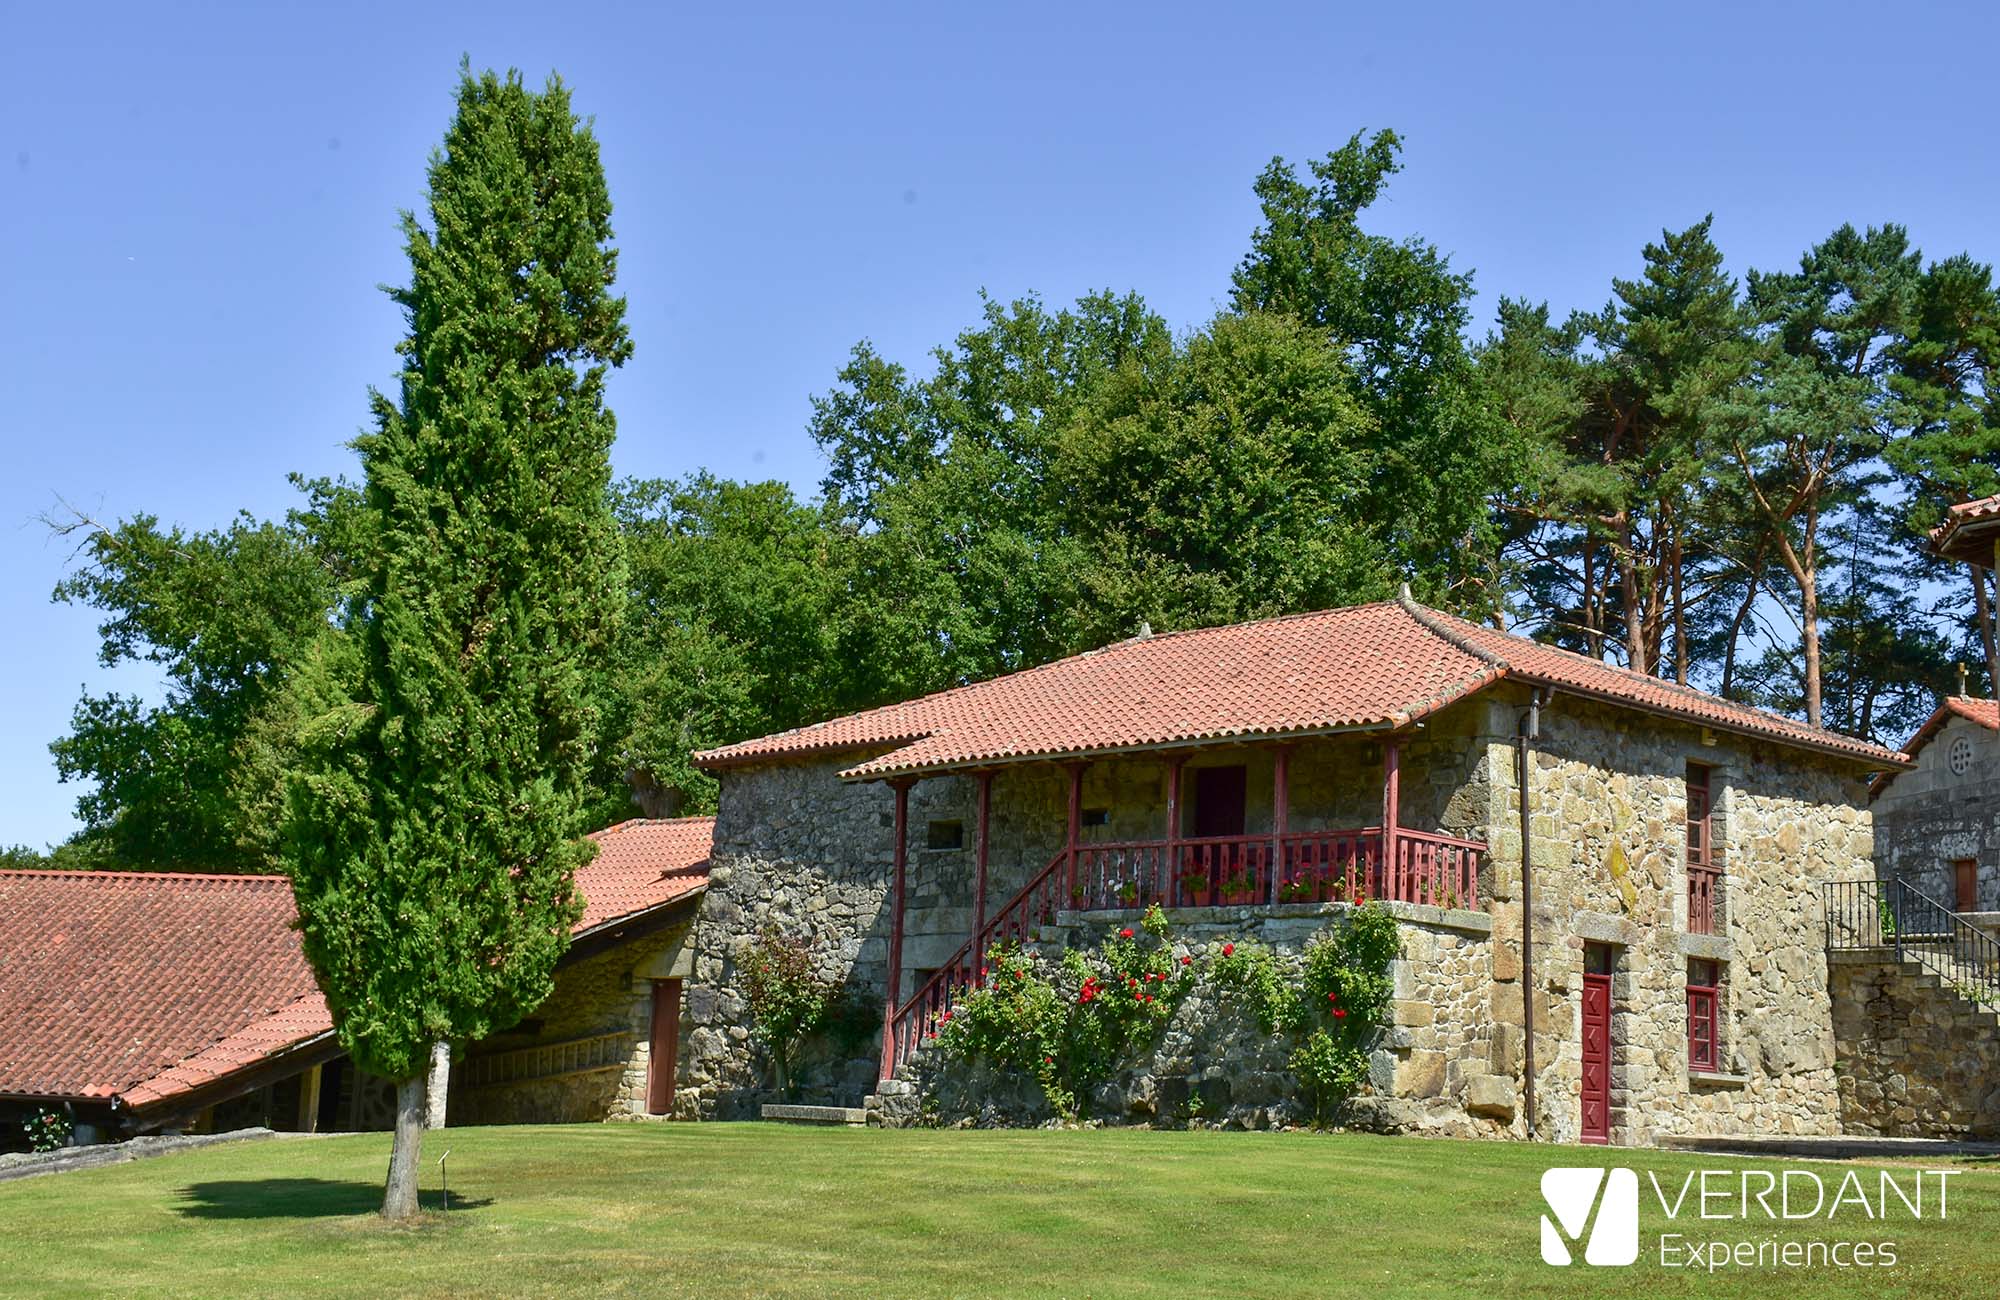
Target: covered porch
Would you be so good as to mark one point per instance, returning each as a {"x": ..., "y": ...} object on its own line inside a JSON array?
[{"x": 1201, "y": 854}]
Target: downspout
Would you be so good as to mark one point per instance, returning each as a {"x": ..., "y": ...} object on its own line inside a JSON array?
[{"x": 1529, "y": 731}]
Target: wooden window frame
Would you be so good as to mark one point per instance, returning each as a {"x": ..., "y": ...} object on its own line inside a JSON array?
[{"x": 1704, "y": 1003}]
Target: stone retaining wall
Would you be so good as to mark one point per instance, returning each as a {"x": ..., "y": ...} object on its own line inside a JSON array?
[
  {"x": 1915, "y": 1059},
  {"x": 1213, "y": 1066}
]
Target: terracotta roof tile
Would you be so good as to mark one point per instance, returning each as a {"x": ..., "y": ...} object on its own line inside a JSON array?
[
  {"x": 641, "y": 864},
  {"x": 144, "y": 985},
  {"x": 1368, "y": 666},
  {"x": 1967, "y": 531}
]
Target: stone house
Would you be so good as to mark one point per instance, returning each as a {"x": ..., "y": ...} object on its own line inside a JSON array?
[
  {"x": 141, "y": 1002},
  {"x": 1937, "y": 826},
  {"x": 1659, "y": 970}
]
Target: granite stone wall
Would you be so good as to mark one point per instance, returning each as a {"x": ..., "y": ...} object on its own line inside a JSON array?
[
  {"x": 608, "y": 993},
  {"x": 1915, "y": 1059},
  {"x": 1607, "y": 816}
]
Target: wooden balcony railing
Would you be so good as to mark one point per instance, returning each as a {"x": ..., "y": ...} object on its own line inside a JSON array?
[
  {"x": 1346, "y": 866},
  {"x": 1704, "y": 887}
]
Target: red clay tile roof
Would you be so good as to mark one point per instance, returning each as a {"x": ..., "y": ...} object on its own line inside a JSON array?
[
  {"x": 1967, "y": 531},
  {"x": 1379, "y": 666},
  {"x": 641, "y": 864},
  {"x": 109, "y": 979},
  {"x": 144, "y": 985}
]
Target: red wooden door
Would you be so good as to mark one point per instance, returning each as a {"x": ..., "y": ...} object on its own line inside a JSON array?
[
  {"x": 1597, "y": 1056},
  {"x": 1965, "y": 872},
  {"x": 663, "y": 1051}
]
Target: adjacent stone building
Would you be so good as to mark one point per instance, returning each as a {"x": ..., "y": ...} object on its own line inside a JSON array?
[
  {"x": 141, "y": 1002},
  {"x": 1938, "y": 824},
  {"x": 1666, "y": 976}
]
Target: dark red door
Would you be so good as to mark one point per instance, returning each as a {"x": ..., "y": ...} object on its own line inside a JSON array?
[
  {"x": 1966, "y": 879},
  {"x": 1597, "y": 1044},
  {"x": 1219, "y": 797},
  {"x": 664, "y": 1049}
]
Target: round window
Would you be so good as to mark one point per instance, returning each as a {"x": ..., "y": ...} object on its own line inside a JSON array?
[{"x": 1961, "y": 755}]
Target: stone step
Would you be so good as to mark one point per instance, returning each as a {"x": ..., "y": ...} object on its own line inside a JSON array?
[{"x": 851, "y": 1116}]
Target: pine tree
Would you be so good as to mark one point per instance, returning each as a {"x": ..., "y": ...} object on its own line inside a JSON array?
[{"x": 436, "y": 822}]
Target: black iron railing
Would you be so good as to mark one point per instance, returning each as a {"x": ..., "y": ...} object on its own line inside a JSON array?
[{"x": 1867, "y": 914}]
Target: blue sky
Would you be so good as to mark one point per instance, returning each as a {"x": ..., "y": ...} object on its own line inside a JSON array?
[{"x": 196, "y": 206}]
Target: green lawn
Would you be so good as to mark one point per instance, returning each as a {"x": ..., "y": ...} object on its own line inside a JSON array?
[{"x": 732, "y": 1209}]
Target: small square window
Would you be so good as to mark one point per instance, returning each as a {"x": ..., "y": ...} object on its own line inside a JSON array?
[
  {"x": 1096, "y": 816},
  {"x": 945, "y": 835}
]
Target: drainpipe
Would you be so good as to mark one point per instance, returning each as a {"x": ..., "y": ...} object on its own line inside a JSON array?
[{"x": 1530, "y": 730}]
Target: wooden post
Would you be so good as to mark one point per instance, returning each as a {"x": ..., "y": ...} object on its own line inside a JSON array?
[
  {"x": 1392, "y": 774},
  {"x": 1281, "y": 798},
  {"x": 982, "y": 827},
  {"x": 1075, "y": 827},
  {"x": 1173, "y": 836},
  {"x": 308, "y": 1120},
  {"x": 896, "y": 895}
]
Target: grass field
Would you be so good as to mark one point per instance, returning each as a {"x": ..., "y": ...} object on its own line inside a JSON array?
[{"x": 730, "y": 1210}]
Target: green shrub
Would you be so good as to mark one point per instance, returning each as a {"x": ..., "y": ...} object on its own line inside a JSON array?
[
  {"x": 47, "y": 1130},
  {"x": 790, "y": 999},
  {"x": 1331, "y": 1010},
  {"x": 1070, "y": 1025}
]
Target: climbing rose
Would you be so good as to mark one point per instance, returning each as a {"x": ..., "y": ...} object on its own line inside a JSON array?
[
  {"x": 1125, "y": 933},
  {"x": 1186, "y": 960},
  {"x": 1228, "y": 949},
  {"x": 1340, "y": 1013}
]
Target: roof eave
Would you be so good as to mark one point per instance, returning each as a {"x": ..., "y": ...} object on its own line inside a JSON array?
[{"x": 1873, "y": 762}]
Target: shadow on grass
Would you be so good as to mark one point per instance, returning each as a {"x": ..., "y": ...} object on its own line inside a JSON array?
[{"x": 301, "y": 1198}]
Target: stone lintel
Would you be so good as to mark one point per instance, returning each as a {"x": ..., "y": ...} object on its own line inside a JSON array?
[
  {"x": 1708, "y": 947},
  {"x": 1602, "y": 927}
]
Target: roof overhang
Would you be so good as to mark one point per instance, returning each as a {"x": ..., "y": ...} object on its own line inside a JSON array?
[
  {"x": 1970, "y": 533},
  {"x": 606, "y": 935}
]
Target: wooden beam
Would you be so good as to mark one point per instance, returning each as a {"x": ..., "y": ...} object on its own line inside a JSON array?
[
  {"x": 1392, "y": 780},
  {"x": 308, "y": 1119},
  {"x": 897, "y": 893},
  {"x": 1175, "y": 766},
  {"x": 982, "y": 828},
  {"x": 1075, "y": 835},
  {"x": 1281, "y": 800}
]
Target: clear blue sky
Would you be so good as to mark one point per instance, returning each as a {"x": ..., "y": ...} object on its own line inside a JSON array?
[{"x": 195, "y": 209}]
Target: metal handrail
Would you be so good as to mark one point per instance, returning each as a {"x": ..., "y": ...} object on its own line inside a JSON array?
[{"x": 1874, "y": 914}]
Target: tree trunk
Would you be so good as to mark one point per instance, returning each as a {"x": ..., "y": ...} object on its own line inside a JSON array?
[
  {"x": 1983, "y": 608},
  {"x": 1809, "y": 634},
  {"x": 1736, "y": 629},
  {"x": 399, "y": 1199},
  {"x": 438, "y": 1088}
]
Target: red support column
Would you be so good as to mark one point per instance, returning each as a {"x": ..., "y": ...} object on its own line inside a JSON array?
[
  {"x": 1075, "y": 828},
  {"x": 982, "y": 826},
  {"x": 1281, "y": 800},
  {"x": 1173, "y": 836},
  {"x": 1392, "y": 772},
  {"x": 896, "y": 896}
]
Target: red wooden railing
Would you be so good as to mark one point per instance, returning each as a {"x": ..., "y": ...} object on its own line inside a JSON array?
[
  {"x": 1702, "y": 885},
  {"x": 1297, "y": 867}
]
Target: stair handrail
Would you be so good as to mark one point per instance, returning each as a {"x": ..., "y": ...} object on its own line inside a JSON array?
[
  {"x": 1970, "y": 958},
  {"x": 917, "y": 1015}
]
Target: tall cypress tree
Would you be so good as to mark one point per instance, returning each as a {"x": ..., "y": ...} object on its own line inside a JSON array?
[{"x": 436, "y": 823}]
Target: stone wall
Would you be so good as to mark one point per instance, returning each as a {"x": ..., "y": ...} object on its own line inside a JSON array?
[
  {"x": 608, "y": 993},
  {"x": 1915, "y": 1059},
  {"x": 1927, "y": 818},
  {"x": 1783, "y": 821},
  {"x": 1213, "y": 1066}
]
